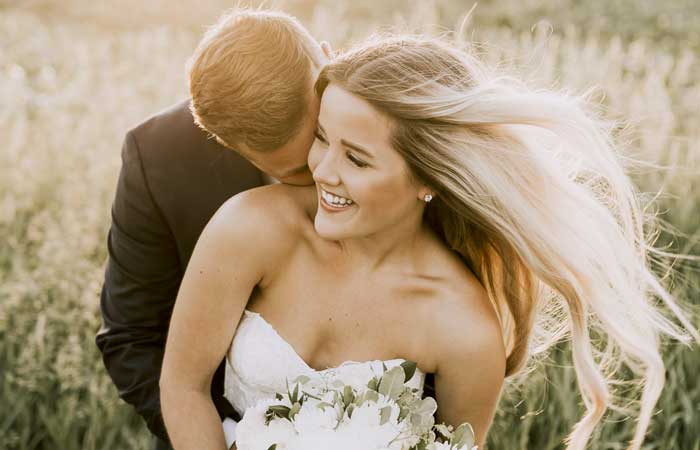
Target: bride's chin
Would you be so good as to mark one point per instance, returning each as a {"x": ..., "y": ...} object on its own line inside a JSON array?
[{"x": 327, "y": 232}]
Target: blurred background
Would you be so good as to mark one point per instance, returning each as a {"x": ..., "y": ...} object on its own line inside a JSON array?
[{"x": 75, "y": 75}]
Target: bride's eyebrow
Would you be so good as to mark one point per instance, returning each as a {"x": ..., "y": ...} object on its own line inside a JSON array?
[
  {"x": 357, "y": 148},
  {"x": 348, "y": 144}
]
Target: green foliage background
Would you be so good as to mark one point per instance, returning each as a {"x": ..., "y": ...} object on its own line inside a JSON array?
[{"x": 76, "y": 74}]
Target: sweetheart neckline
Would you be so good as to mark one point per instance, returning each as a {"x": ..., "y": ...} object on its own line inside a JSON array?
[{"x": 298, "y": 356}]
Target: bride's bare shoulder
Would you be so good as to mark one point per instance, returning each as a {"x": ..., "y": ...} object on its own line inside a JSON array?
[
  {"x": 278, "y": 211},
  {"x": 282, "y": 202},
  {"x": 250, "y": 235}
]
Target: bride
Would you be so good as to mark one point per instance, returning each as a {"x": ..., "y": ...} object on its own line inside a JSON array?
[{"x": 456, "y": 218}]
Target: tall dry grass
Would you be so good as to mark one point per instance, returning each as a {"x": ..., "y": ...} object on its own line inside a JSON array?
[{"x": 75, "y": 75}]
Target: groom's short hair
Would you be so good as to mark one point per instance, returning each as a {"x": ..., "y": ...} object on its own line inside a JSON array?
[{"x": 251, "y": 78}]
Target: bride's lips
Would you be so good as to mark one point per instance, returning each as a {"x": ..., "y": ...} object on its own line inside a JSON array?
[
  {"x": 331, "y": 208},
  {"x": 327, "y": 206}
]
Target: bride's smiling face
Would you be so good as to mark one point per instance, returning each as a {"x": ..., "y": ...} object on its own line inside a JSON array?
[{"x": 364, "y": 186}]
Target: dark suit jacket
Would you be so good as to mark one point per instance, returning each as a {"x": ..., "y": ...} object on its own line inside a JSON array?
[{"x": 172, "y": 180}]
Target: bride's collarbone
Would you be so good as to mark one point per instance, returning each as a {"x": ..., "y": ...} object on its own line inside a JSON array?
[
  {"x": 328, "y": 318},
  {"x": 327, "y": 334},
  {"x": 331, "y": 349}
]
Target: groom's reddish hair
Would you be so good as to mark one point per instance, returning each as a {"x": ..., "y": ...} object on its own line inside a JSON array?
[{"x": 251, "y": 78}]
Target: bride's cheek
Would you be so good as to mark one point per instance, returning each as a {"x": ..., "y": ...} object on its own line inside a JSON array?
[{"x": 314, "y": 156}]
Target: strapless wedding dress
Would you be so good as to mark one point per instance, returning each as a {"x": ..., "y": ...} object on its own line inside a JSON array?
[{"x": 259, "y": 362}]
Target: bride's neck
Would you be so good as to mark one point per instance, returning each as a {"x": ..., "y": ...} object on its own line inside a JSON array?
[{"x": 394, "y": 247}]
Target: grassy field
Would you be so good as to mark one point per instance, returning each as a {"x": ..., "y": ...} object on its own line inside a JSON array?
[{"x": 75, "y": 75}]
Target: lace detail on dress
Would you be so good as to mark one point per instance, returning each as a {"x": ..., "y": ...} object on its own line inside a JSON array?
[{"x": 259, "y": 362}]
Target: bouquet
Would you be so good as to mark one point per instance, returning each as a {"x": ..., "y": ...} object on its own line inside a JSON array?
[{"x": 330, "y": 414}]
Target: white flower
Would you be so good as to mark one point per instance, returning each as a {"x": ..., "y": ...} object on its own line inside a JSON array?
[
  {"x": 314, "y": 428},
  {"x": 253, "y": 434},
  {"x": 321, "y": 439},
  {"x": 446, "y": 446},
  {"x": 364, "y": 428},
  {"x": 312, "y": 419},
  {"x": 354, "y": 375}
]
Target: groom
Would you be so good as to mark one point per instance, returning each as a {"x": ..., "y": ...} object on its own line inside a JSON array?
[{"x": 250, "y": 121}]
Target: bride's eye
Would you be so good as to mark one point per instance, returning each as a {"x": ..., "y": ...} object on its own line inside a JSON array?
[{"x": 355, "y": 161}]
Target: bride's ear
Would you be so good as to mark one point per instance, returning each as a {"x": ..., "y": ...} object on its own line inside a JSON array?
[{"x": 425, "y": 194}]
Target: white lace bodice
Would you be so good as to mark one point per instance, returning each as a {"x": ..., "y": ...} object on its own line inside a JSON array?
[{"x": 259, "y": 361}]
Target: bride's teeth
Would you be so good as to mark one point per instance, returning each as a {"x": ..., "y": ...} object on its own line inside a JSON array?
[{"x": 336, "y": 200}]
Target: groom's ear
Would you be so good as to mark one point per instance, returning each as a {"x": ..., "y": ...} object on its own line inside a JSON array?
[{"x": 326, "y": 46}]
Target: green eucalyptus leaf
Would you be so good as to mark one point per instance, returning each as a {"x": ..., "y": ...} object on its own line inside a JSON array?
[
  {"x": 295, "y": 394},
  {"x": 427, "y": 406},
  {"x": 422, "y": 418},
  {"x": 350, "y": 409},
  {"x": 392, "y": 383},
  {"x": 272, "y": 447},
  {"x": 294, "y": 410},
  {"x": 358, "y": 400},
  {"x": 409, "y": 368},
  {"x": 372, "y": 396},
  {"x": 280, "y": 410},
  {"x": 463, "y": 436},
  {"x": 384, "y": 414},
  {"x": 367, "y": 396},
  {"x": 373, "y": 384},
  {"x": 348, "y": 396}
]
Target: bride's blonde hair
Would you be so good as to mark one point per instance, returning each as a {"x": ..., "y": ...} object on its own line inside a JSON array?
[{"x": 532, "y": 193}]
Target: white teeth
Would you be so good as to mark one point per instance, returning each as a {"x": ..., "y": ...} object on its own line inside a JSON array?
[{"x": 335, "y": 200}]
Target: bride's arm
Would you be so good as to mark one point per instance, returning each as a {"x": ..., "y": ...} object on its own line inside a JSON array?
[
  {"x": 228, "y": 261},
  {"x": 468, "y": 347}
]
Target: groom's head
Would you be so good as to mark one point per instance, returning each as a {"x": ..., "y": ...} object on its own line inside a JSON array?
[{"x": 251, "y": 81}]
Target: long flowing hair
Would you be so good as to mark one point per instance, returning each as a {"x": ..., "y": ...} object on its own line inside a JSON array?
[{"x": 532, "y": 193}]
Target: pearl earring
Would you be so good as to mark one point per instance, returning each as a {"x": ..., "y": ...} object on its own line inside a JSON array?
[{"x": 427, "y": 198}]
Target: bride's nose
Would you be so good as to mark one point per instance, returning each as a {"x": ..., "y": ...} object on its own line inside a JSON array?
[{"x": 326, "y": 171}]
